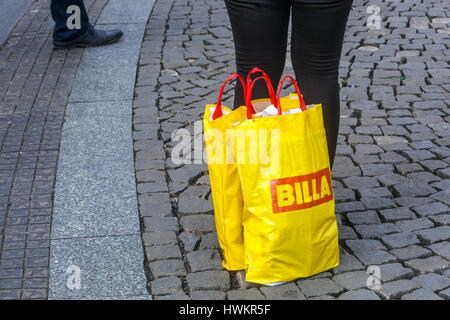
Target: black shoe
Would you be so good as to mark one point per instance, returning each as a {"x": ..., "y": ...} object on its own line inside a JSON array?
[{"x": 93, "y": 38}]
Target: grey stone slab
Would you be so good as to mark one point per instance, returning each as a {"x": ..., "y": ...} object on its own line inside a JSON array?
[
  {"x": 432, "y": 281},
  {"x": 198, "y": 223},
  {"x": 442, "y": 219},
  {"x": 209, "y": 280},
  {"x": 373, "y": 257},
  {"x": 171, "y": 267},
  {"x": 362, "y": 245},
  {"x": 87, "y": 207},
  {"x": 364, "y": 217},
  {"x": 208, "y": 295},
  {"x": 106, "y": 108},
  {"x": 323, "y": 297},
  {"x": 421, "y": 294},
  {"x": 375, "y": 231},
  {"x": 360, "y": 294},
  {"x": 415, "y": 224},
  {"x": 347, "y": 262},
  {"x": 394, "y": 271},
  {"x": 445, "y": 293},
  {"x": 95, "y": 192},
  {"x": 137, "y": 11},
  {"x": 395, "y": 214},
  {"x": 426, "y": 265},
  {"x": 286, "y": 291},
  {"x": 162, "y": 252},
  {"x": 166, "y": 285},
  {"x": 352, "y": 280},
  {"x": 108, "y": 267},
  {"x": 189, "y": 240},
  {"x": 411, "y": 252},
  {"x": 346, "y": 232},
  {"x": 194, "y": 201},
  {"x": 248, "y": 294},
  {"x": 442, "y": 249},
  {"x": 100, "y": 145},
  {"x": 400, "y": 240},
  {"x": 97, "y": 78},
  {"x": 175, "y": 296},
  {"x": 159, "y": 238},
  {"x": 157, "y": 224},
  {"x": 209, "y": 241},
  {"x": 201, "y": 260},
  {"x": 319, "y": 287},
  {"x": 396, "y": 289},
  {"x": 435, "y": 234}
]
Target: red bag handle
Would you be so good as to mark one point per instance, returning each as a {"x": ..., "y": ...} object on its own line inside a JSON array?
[
  {"x": 300, "y": 98},
  {"x": 218, "y": 111},
  {"x": 250, "y": 84}
]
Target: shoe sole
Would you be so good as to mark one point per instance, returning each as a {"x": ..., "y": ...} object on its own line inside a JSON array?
[{"x": 79, "y": 45}]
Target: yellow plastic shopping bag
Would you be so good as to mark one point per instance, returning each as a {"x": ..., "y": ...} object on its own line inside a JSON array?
[
  {"x": 224, "y": 178},
  {"x": 290, "y": 228}
]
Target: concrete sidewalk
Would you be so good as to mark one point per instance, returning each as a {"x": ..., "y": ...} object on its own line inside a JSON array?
[{"x": 71, "y": 228}]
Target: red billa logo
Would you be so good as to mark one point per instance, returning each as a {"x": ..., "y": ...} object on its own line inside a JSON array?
[{"x": 301, "y": 192}]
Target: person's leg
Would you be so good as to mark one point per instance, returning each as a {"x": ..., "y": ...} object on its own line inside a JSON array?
[
  {"x": 86, "y": 35},
  {"x": 260, "y": 39},
  {"x": 61, "y": 33},
  {"x": 317, "y": 34}
]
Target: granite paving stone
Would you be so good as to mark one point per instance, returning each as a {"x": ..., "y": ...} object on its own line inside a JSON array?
[
  {"x": 411, "y": 252},
  {"x": 166, "y": 285},
  {"x": 414, "y": 224},
  {"x": 204, "y": 260},
  {"x": 102, "y": 275},
  {"x": 441, "y": 248},
  {"x": 433, "y": 281},
  {"x": 209, "y": 280},
  {"x": 396, "y": 289},
  {"x": 394, "y": 271},
  {"x": 288, "y": 291},
  {"x": 445, "y": 293},
  {"x": 375, "y": 231},
  {"x": 319, "y": 287},
  {"x": 352, "y": 280},
  {"x": 359, "y": 294},
  {"x": 400, "y": 240},
  {"x": 429, "y": 264},
  {"x": 421, "y": 294},
  {"x": 434, "y": 235},
  {"x": 248, "y": 294}
]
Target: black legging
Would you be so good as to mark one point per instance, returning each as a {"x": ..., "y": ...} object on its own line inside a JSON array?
[{"x": 260, "y": 30}]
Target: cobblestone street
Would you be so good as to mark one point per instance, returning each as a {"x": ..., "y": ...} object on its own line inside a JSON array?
[{"x": 391, "y": 175}]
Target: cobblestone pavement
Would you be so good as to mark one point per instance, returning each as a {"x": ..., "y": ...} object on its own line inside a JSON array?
[
  {"x": 35, "y": 83},
  {"x": 391, "y": 174}
]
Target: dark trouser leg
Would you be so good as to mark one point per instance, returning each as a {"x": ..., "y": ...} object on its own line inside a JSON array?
[
  {"x": 260, "y": 38},
  {"x": 317, "y": 35},
  {"x": 59, "y": 14}
]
